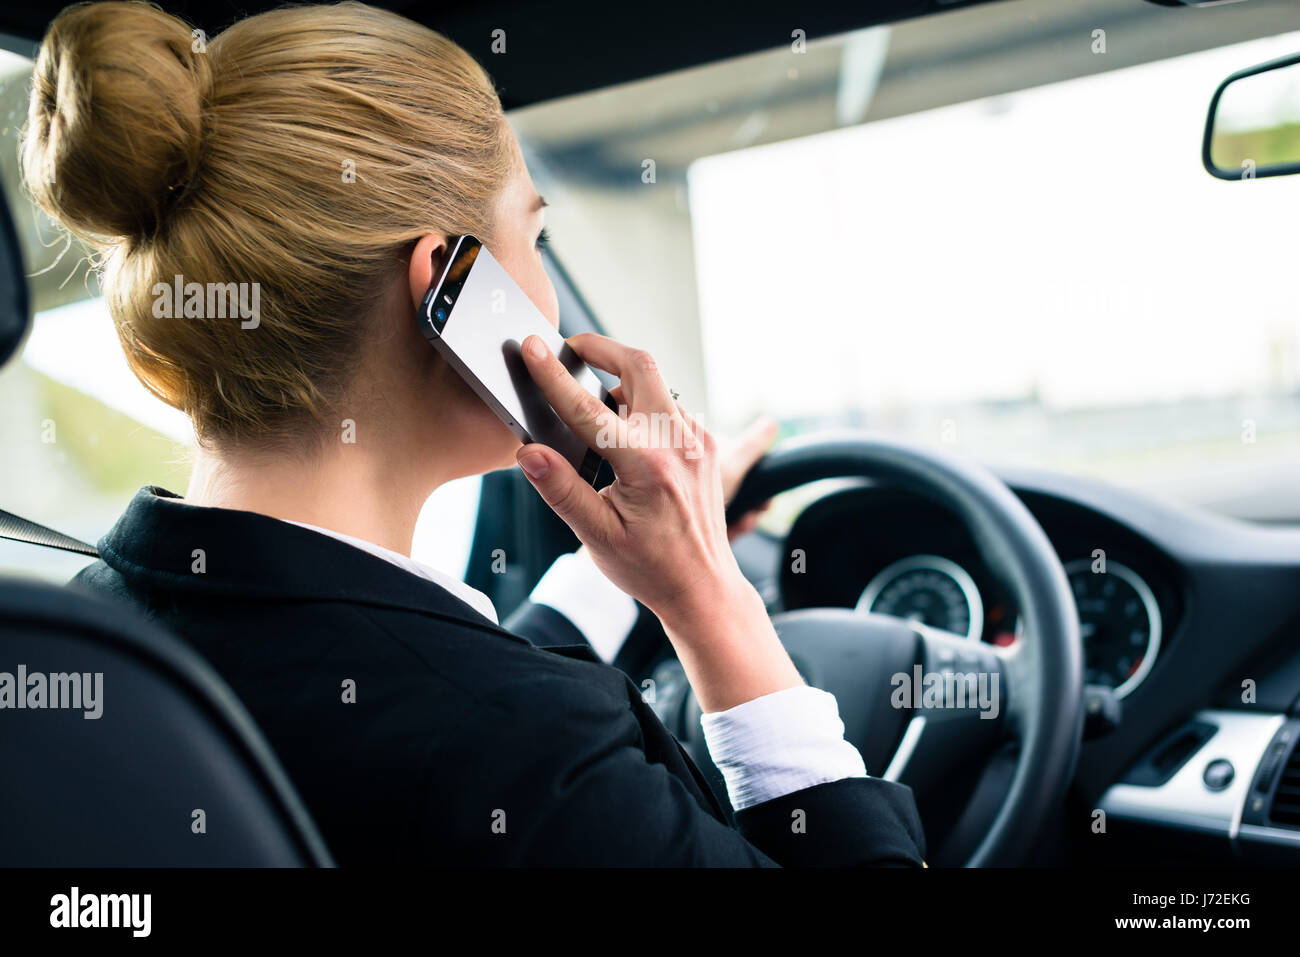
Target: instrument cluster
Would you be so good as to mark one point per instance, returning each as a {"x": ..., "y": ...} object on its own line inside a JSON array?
[{"x": 883, "y": 551}]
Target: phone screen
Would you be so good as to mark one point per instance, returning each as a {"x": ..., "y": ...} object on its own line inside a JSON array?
[{"x": 478, "y": 317}]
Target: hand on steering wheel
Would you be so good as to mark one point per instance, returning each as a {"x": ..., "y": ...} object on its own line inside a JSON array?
[
  {"x": 859, "y": 657},
  {"x": 658, "y": 531}
]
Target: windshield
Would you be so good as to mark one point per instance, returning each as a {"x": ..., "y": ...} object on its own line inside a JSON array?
[{"x": 988, "y": 230}]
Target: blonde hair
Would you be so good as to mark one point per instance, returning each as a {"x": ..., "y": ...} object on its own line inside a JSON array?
[{"x": 227, "y": 162}]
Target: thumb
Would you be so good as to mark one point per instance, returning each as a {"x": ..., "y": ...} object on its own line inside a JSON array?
[
  {"x": 757, "y": 439},
  {"x": 744, "y": 451},
  {"x": 564, "y": 490}
]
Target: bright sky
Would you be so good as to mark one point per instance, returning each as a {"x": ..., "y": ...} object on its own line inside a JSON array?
[{"x": 1064, "y": 237}]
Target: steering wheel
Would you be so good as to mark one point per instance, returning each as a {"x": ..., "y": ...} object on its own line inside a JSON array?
[{"x": 1028, "y": 711}]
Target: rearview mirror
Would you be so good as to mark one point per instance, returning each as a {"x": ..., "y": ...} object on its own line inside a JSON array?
[{"x": 1253, "y": 127}]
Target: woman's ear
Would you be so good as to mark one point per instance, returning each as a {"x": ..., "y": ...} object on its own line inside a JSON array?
[{"x": 427, "y": 261}]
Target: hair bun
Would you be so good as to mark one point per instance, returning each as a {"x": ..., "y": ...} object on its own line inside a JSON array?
[{"x": 115, "y": 124}]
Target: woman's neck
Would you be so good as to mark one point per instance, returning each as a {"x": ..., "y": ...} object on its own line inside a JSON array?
[{"x": 342, "y": 488}]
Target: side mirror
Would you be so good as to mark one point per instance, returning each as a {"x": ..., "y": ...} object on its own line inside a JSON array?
[{"x": 1253, "y": 127}]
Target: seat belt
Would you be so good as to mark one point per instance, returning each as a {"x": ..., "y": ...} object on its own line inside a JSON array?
[{"x": 19, "y": 529}]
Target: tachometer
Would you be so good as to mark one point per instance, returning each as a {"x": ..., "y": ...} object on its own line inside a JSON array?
[
  {"x": 931, "y": 590},
  {"x": 1119, "y": 622}
]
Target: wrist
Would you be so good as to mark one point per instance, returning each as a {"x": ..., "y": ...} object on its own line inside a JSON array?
[
  {"x": 729, "y": 647},
  {"x": 727, "y": 599}
]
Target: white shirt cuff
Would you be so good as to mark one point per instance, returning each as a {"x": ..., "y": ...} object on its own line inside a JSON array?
[
  {"x": 780, "y": 743},
  {"x": 598, "y": 608}
]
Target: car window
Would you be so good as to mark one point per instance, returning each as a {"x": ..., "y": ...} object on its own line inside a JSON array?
[{"x": 988, "y": 230}]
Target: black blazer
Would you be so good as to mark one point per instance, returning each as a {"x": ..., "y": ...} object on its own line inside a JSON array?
[{"x": 465, "y": 744}]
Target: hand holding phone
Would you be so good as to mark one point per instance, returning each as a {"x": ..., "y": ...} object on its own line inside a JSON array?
[
  {"x": 477, "y": 317},
  {"x": 659, "y": 531}
]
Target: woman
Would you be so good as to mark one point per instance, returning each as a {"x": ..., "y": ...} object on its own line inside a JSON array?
[{"x": 326, "y": 158}]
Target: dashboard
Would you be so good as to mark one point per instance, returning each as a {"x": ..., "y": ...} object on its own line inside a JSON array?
[
  {"x": 1191, "y": 621},
  {"x": 888, "y": 551}
]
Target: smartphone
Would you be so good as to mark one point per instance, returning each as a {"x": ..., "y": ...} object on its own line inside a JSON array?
[{"x": 477, "y": 318}]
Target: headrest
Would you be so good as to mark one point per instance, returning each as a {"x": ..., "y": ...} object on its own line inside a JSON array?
[{"x": 15, "y": 304}]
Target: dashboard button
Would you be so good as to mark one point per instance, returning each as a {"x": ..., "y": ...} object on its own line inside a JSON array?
[{"x": 1218, "y": 774}]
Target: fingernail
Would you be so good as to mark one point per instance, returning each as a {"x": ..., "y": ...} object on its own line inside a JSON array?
[
  {"x": 534, "y": 463},
  {"x": 536, "y": 347}
]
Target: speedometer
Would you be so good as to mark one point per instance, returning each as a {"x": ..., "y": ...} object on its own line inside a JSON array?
[
  {"x": 1119, "y": 623},
  {"x": 927, "y": 589}
]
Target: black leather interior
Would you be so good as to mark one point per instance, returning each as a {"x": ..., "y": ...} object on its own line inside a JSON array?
[
  {"x": 15, "y": 306},
  {"x": 171, "y": 740}
]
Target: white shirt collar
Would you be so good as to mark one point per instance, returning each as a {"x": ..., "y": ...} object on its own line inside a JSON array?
[{"x": 470, "y": 596}]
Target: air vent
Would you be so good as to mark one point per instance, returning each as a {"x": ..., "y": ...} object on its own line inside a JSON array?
[{"x": 1285, "y": 809}]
